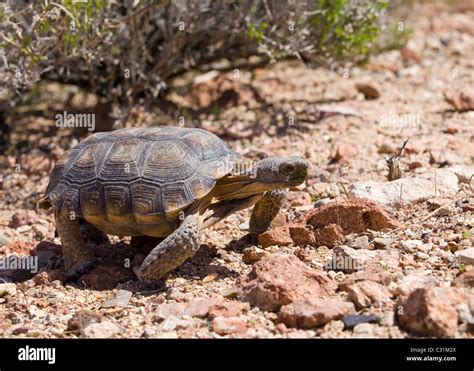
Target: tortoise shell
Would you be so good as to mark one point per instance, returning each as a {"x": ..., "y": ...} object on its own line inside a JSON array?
[{"x": 133, "y": 179}]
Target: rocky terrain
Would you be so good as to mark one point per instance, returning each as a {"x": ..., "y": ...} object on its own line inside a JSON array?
[{"x": 351, "y": 254}]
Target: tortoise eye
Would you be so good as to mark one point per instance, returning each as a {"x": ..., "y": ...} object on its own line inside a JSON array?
[{"x": 288, "y": 168}]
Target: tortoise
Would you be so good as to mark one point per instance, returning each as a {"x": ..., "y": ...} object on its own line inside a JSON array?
[{"x": 161, "y": 185}]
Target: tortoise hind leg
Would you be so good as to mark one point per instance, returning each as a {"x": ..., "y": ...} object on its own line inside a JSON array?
[
  {"x": 173, "y": 251},
  {"x": 78, "y": 257}
]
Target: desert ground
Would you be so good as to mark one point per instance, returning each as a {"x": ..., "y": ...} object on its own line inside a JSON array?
[{"x": 412, "y": 238}]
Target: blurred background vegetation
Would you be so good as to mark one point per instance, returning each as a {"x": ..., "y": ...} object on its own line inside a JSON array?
[{"x": 126, "y": 51}]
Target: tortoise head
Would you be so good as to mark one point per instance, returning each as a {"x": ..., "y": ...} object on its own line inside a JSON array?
[{"x": 282, "y": 172}]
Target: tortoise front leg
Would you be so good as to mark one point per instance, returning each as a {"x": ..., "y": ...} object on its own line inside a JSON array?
[
  {"x": 264, "y": 212},
  {"x": 78, "y": 257},
  {"x": 173, "y": 251}
]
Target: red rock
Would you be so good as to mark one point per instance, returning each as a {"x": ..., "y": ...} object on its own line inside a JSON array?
[
  {"x": 82, "y": 319},
  {"x": 42, "y": 279},
  {"x": 409, "y": 55},
  {"x": 413, "y": 281},
  {"x": 280, "y": 279},
  {"x": 313, "y": 312},
  {"x": 429, "y": 312},
  {"x": 228, "y": 308},
  {"x": 228, "y": 325},
  {"x": 328, "y": 235},
  {"x": 252, "y": 254},
  {"x": 415, "y": 165},
  {"x": 451, "y": 130},
  {"x": 105, "y": 277},
  {"x": 197, "y": 308},
  {"x": 468, "y": 207},
  {"x": 302, "y": 254},
  {"x": 384, "y": 278},
  {"x": 465, "y": 279},
  {"x": 278, "y": 236},
  {"x": 369, "y": 91},
  {"x": 294, "y": 198},
  {"x": 302, "y": 236},
  {"x": 23, "y": 217},
  {"x": 365, "y": 294},
  {"x": 353, "y": 216},
  {"x": 461, "y": 101},
  {"x": 345, "y": 152}
]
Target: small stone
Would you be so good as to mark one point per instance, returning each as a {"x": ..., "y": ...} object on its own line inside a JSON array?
[
  {"x": 415, "y": 165},
  {"x": 41, "y": 231},
  {"x": 351, "y": 321},
  {"x": 101, "y": 330},
  {"x": 229, "y": 325},
  {"x": 384, "y": 242},
  {"x": 120, "y": 299},
  {"x": 464, "y": 312},
  {"x": 462, "y": 100},
  {"x": 444, "y": 210},
  {"x": 429, "y": 312},
  {"x": 197, "y": 308},
  {"x": 352, "y": 216},
  {"x": 346, "y": 152},
  {"x": 360, "y": 242},
  {"x": 302, "y": 236},
  {"x": 363, "y": 330},
  {"x": 466, "y": 256},
  {"x": 244, "y": 226},
  {"x": 253, "y": 254},
  {"x": 387, "y": 148},
  {"x": 370, "y": 92},
  {"x": 278, "y": 237},
  {"x": 82, "y": 319},
  {"x": 465, "y": 279},
  {"x": 329, "y": 235},
  {"x": 172, "y": 323},
  {"x": 280, "y": 279},
  {"x": 313, "y": 312},
  {"x": 4, "y": 240},
  {"x": 7, "y": 289},
  {"x": 23, "y": 228},
  {"x": 210, "y": 277},
  {"x": 230, "y": 292},
  {"x": 422, "y": 256},
  {"x": 407, "y": 190},
  {"x": 23, "y": 217},
  {"x": 365, "y": 294},
  {"x": 465, "y": 174},
  {"x": 297, "y": 198},
  {"x": 412, "y": 282},
  {"x": 228, "y": 308},
  {"x": 410, "y": 246},
  {"x": 281, "y": 328}
]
